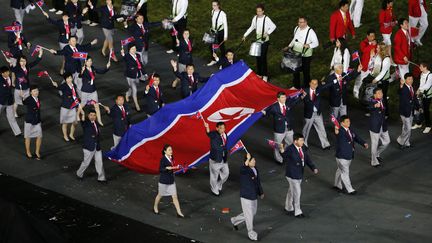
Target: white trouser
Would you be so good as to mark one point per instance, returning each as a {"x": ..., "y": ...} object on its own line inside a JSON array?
[
  {"x": 376, "y": 147},
  {"x": 79, "y": 33},
  {"x": 19, "y": 15},
  {"x": 339, "y": 111},
  {"x": 358, "y": 83},
  {"x": 292, "y": 201},
  {"x": 342, "y": 175},
  {"x": 403, "y": 69},
  {"x": 356, "y": 8},
  {"x": 387, "y": 39},
  {"x": 144, "y": 56},
  {"x": 422, "y": 20},
  {"x": 249, "y": 208},
  {"x": 11, "y": 118},
  {"x": 88, "y": 156},
  {"x": 286, "y": 136},
  {"x": 317, "y": 122},
  {"x": 404, "y": 138},
  {"x": 132, "y": 82},
  {"x": 218, "y": 170}
]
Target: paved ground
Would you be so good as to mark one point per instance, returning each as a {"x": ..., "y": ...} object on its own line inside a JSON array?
[{"x": 394, "y": 203}]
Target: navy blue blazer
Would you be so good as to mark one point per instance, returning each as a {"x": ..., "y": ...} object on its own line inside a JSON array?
[
  {"x": 22, "y": 80},
  {"x": 67, "y": 98},
  {"x": 86, "y": 79},
  {"x": 223, "y": 61},
  {"x": 309, "y": 104},
  {"x": 186, "y": 87},
  {"x": 280, "y": 122},
  {"x": 185, "y": 56},
  {"x": 141, "y": 38},
  {"x": 73, "y": 65},
  {"x": 294, "y": 164},
  {"x": 407, "y": 104},
  {"x": 120, "y": 124},
  {"x": 6, "y": 92},
  {"x": 218, "y": 151},
  {"x": 13, "y": 47},
  {"x": 166, "y": 176},
  {"x": 106, "y": 21},
  {"x": 19, "y": 4},
  {"x": 154, "y": 103},
  {"x": 91, "y": 137},
  {"x": 132, "y": 70},
  {"x": 377, "y": 117},
  {"x": 59, "y": 23},
  {"x": 75, "y": 14},
  {"x": 344, "y": 146},
  {"x": 335, "y": 92},
  {"x": 250, "y": 184},
  {"x": 33, "y": 112}
]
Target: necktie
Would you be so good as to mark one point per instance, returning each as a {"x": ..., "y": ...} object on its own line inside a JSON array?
[
  {"x": 301, "y": 154},
  {"x": 223, "y": 139},
  {"x": 24, "y": 70},
  {"x": 92, "y": 75},
  {"x": 142, "y": 29},
  {"x": 157, "y": 92},
  {"x": 137, "y": 62},
  {"x": 123, "y": 112},
  {"x": 411, "y": 91},
  {"x": 284, "y": 110},
  {"x": 37, "y": 103},
  {"x": 350, "y": 136},
  {"x": 340, "y": 83},
  {"x": 313, "y": 96},
  {"x": 73, "y": 92},
  {"x": 189, "y": 43},
  {"x": 19, "y": 41},
  {"x": 345, "y": 19},
  {"x": 74, "y": 49},
  {"x": 191, "y": 80},
  {"x": 95, "y": 128},
  {"x": 111, "y": 12},
  {"x": 67, "y": 29}
]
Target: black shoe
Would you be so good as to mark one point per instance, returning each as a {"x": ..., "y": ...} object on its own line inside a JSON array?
[
  {"x": 300, "y": 216},
  {"x": 337, "y": 189},
  {"x": 352, "y": 193},
  {"x": 235, "y": 227},
  {"x": 180, "y": 216},
  {"x": 289, "y": 212},
  {"x": 379, "y": 159},
  {"x": 103, "y": 181},
  {"x": 376, "y": 166},
  {"x": 18, "y": 135},
  {"x": 327, "y": 148},
  {"x": 38, "y": 157},
  {"x": 79, "y": 178},
  {"x": 409, "y": 146},
  {"x": 214, "y": 194},
  {"x": 155, "y": 212}
]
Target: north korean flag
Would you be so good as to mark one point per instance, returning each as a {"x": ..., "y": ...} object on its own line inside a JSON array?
[
  {"x": 234, "y": 95},
  {"x": 80, "y": 55},
  {"x": 127, "y": 40},
  {"x": 40, "y": 3},
  {"x": 13, "y": 28}
]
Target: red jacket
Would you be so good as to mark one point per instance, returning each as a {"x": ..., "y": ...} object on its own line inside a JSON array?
[
  {"x": 401, "y": 47},
  {"x": 387, "y": 17},
  {"x": 414, "y": 8},
  {"x": 366, "y": 49},
  {"x": 337, "y": 26}
]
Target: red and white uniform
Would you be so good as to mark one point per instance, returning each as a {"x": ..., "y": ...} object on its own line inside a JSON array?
[
  {"x": 417, "y": 11},
  {"x": 401, "y": 49},
  {"x": 340, "y": 24},
  {"x": 387, "y": 21}
]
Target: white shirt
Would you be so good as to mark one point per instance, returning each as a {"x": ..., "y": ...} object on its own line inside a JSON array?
[
  {"x": 425, "y": 84},
  {"x": 179, "y": 9},
  {"x": 298, "y": 150},
  {"x": 384, "y": 65},
  {"x": 141, "y": 2},
  {"x": 222, "y": 22},
  {"x": 300, "y": 36},
  {"x": 338, "y": 58},
  {"x": 312, "y": 91},
  {"x": 254, "y": 171},
  {"x": 257, "y": 24},
  {"x": 281, "y": 107}
]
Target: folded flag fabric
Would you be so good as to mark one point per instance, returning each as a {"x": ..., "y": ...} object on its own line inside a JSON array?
[
  {"x": 230, "y": 96},
  {"x": 80, "y": 55},
  {"x": 7, "y": 54}
]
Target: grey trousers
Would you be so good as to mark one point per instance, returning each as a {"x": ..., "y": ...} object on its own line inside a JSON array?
[
  {"x": 404, "y": 138},
  {"x": 292, "y": 201},
  {"x": 376, "y": 147},
  {"x": 132, "y": 82},
  {"x": 78, "y": 82},
  {"x": 286, "y": 136},
  {"x": 317, "y": 122},
  {"x": 342, "y": 175},
  {"x": 144, "y": 56},
  {"x": 79, "y": 33},
  {"x": 116, "y": 141},
  {"x": 88, "y": 156},
  {"x": 339, "y": 111},
  {"x": 19, "y": 15},
  {"x": 249, "y": 208},
  {"x": 11, "y": 118},
  {"x": 218, "y": 170}
]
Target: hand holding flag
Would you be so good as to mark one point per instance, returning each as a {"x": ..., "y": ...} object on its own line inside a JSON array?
[
  {"x": 127, "y": 41},
  {"x": 335, "y": 121},
  {"x": 355, "y": 56}
]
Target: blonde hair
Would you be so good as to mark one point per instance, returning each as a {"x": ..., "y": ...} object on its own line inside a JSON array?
[{"x": 383, "y": 50}]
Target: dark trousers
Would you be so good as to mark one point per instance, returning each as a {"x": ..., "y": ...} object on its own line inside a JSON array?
[
  {"x": 143, "y": 12},
  {"x": 92, "y": 13},
  {"x": 180, "y": 26},
  {"x": 59, "y": 5},
  {"x": 384, "y": 86},
  {"x": 426, "y": 112},
  {"x": 219, "y": 39},
  {"x": 306, "y": 61},
  {"x": 262, "y": 60}
]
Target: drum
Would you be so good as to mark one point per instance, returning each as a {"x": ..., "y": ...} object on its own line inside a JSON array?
[
  {"x": 291, "y": 61},
  {"x": 209, "y": 38},
  {"x": 366, "y": 92},
  {"x": 255, "y": 49},
  {"x": 167, "y": 24}
]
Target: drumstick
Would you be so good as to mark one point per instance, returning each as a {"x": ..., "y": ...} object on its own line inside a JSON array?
[
  {"x": 238, "y": 47},
  {"x": 102, "y": 105},
  {"x": 415, "y": 64}
]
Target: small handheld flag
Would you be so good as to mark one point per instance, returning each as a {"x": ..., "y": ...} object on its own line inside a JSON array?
[
  {"x": 272, "y": 144},
  {"x": 127, "y": 41},
  {"x": 238, "y": 146},
  {"x": 43, "y": 74},
  {"x": 335, "y": 121},
  {"x": 80, "y": 55},
  {"x": 75, "y": 103},
  {"x": 7, "y": 54},
  {"x": 14, "y": 28},
  {"x": 36, "y": 50},
  {"x": 355, "y": 56},
  {"x": 197, "y": 115},
  {"x": 40, "y": 3},
  {"x": 215, "y": 47}
]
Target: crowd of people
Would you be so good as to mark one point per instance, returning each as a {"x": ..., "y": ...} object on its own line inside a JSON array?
[{"x": 381, "y": 61}]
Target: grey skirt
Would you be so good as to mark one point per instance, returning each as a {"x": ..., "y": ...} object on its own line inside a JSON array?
[
  {"x": 167, "y": 190},
  {"x": 88, "y": 96},
  {"x": 32, "y": 131},
  {"x": 108, "y": 34},
  {"x": 68, "y": 115},
  {"x": 18, "y": 99}
]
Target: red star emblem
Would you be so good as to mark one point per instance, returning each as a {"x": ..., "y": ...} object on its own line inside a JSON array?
[{"x": 230, "y": 117}]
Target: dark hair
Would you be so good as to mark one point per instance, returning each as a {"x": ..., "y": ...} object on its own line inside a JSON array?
[
  {"x": 297, "y": 136},
  {"x": 66, "y": 75},
  {"x": 376, "y": 90},
  {"x": 165, "y": 147},
  {"x": 89, "y": 57},
  {"x": 344, "y": 45},
  {"x": 424, "y": 65},
  {"x": 4, "y": 69},
  {"x": 261, "y": 6},
  {"x": 73, "y": 36},
  {"x": 32, "y": 87},
  {"x": 370, "y": 31},
  {"x": 119, "y": 95},
  {"x": 343, "y": 118},
  {"x": 23, "y": 57},
  {"x": 190, "y": 65},
  {"x": 280, "y": 93},
  {"x": 92, "y": 111},
  {"x": 130, "y": 45},
  {"x": 401, "y": 21},
  {"x": 303, "y": 17},
  {"x": 155, "y": 75},
  {"x": 229, "y": 50},
  {"x": 407, "y": 75},
  {"x": 384, "y": 4},
  {"x": 65, "y": 13},
  {"x": 220, "y": 124},
  {"x": 343, "y": 3},
  {"x": 216, "y": 1}
]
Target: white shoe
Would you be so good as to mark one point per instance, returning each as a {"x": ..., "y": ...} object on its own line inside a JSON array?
[
  {"x": 416, "y": 126},
  {"x": 265, "y": 78},
  {"x": 170, "y": 51},
  {"x": 52, "y": 10},
  {"x": 93, "y": 24},
  {"x": 211, "y": 63},
  {"x": 59, "y": 12},
  {"x": 367, "y": 114},
  {"x": 419, "y": 43},
  {"x": 426, "y": 130}
]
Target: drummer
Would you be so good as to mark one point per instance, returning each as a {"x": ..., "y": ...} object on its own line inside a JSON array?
[
  {"x": 179, "y": 14},
  {"x": 264, "y": 26},
  {"x": 303, "y": 42},
  {"x": 220, "y": 30}
]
